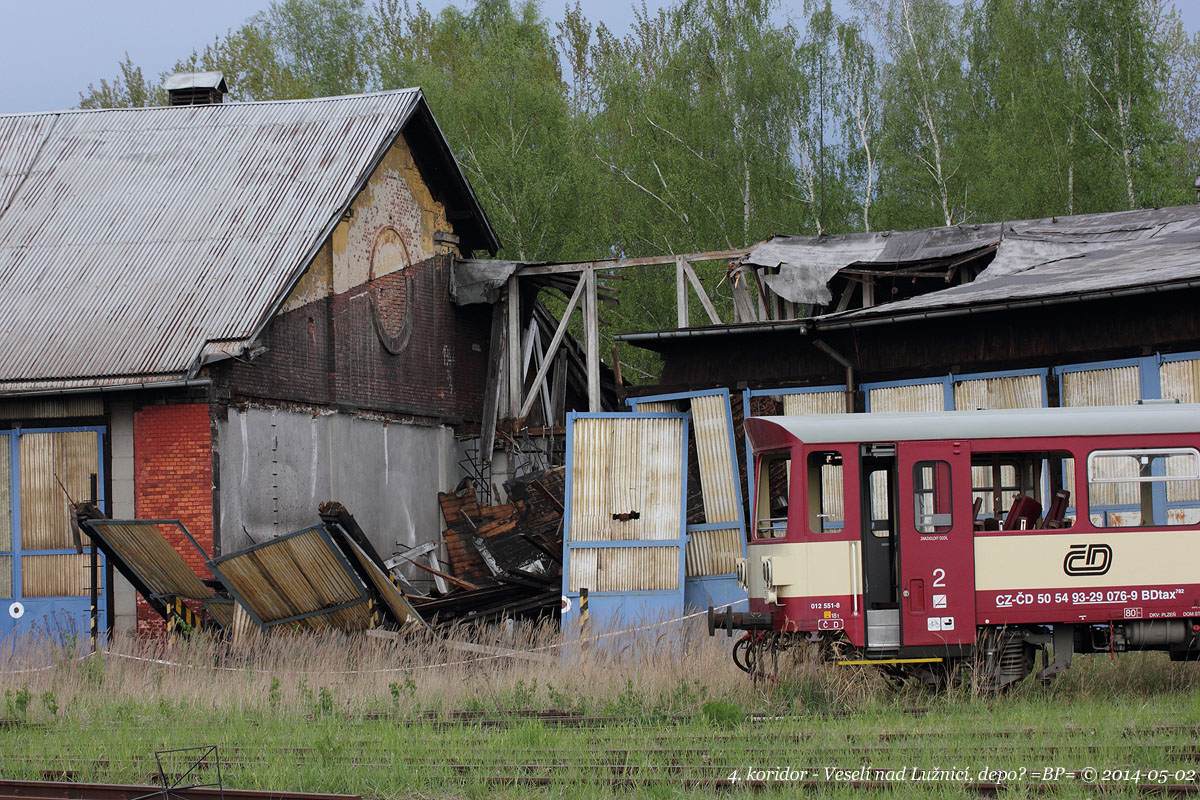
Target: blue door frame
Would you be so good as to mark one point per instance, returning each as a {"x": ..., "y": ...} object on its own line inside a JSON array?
[
  {"x": 616, "y": 610},
  {"x": 56, "y": 616}
]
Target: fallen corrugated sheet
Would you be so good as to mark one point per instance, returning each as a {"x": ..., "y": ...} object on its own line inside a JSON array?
[
  {"x": 299, "y": 578},
  {"x": 346, "y": 533},
  {"x": 143, "y": 555},
  {"x": 799, "y": 268}
]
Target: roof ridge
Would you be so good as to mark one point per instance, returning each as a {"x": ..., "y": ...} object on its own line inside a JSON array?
[{"x": 231, "y": 104}]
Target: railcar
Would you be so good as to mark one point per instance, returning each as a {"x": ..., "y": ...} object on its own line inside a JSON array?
[{"x": 923, "y": 543}]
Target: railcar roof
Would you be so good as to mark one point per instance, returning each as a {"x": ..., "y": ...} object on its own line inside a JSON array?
[{"x": 994, "y": 424}]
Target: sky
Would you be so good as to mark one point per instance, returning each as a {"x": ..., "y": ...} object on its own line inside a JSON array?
[{"x": 50, "y": 50}]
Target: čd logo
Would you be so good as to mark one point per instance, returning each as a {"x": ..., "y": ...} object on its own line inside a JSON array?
[{"x": 1088, "y": 559}]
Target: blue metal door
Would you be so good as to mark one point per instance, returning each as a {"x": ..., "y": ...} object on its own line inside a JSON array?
[
  {"x": 45, "y": 586},
  {"x": 625, "y": 535}
]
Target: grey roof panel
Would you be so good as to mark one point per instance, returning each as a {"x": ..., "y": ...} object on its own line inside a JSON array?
[
  {"x": 993, "y": 424},
  {"x": 130, "y": 237}
]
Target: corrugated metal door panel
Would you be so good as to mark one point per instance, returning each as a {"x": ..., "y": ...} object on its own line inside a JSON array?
[
  {"x": 55, "y": 408},
  {"x": 45, "y": 513},
  {"x": 658, "y": 407},
  {"x": 1180, "y": 380},
  {"x": 626, "y": 467},
  {"x": 6, "y": 576},
  {"x": 1013, "y": 391},
  {"x": 625, "y": 569},
  {"x": 831, "y": 478},
  {"x": 915, "y": 397},
  {"x": 718, "y": 475},
  {"x": 713, "y": 552},
  {"x": 1115, "y": 386},
  {"x": 814, "y": 403},
  {"x": 63, "y": 575},
  {"x": 5, "y": 497}
]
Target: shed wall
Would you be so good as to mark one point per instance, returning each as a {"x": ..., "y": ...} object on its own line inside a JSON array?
[{"x": 277, "y": 466}]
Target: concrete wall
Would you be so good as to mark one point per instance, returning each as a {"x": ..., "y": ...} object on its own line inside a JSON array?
[
  {"x": 277, "y": 466},
  {"x": 122, "y": 506}
]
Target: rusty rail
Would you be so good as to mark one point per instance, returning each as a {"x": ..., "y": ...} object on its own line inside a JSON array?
[{"x": 69, "y": 790}]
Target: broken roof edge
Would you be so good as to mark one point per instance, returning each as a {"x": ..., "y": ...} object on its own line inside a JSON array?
[
  {"x": 844, "y": 320},
  {"x": 858, "y": 319}
]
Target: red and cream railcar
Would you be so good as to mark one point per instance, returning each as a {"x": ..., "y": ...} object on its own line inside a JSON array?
[{"x": 925, "y": 540}]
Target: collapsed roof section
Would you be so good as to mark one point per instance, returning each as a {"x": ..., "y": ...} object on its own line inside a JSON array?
[{"x": 801, "y": 268}]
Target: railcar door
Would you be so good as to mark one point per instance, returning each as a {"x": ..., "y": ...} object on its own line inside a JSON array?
[
  {"x": 879, "y": 513},
  {"x": 937, "y": 552}
]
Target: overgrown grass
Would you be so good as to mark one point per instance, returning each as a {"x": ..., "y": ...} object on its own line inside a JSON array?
[{"x": 417, "y": 718}]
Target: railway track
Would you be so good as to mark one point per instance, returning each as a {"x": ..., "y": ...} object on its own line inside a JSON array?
[
  {"x": 630, "y": 754},
  {"x": 70, "y": 790}
]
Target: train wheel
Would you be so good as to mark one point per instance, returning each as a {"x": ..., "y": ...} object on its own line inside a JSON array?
[
  {"x": 1002, "y": 659},
  {"x": 938, "y": 676}
]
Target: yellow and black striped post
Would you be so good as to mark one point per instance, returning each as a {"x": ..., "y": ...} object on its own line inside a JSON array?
[
  {"x": 179, "y": 614},
  {"x": 376, "y": 616},
  {"x": 585, "y": 618}
]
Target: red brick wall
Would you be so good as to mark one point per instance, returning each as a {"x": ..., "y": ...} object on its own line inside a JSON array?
[{"x": 172, "y": 463}]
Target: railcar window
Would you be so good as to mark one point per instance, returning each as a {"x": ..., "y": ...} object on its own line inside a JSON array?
[
  {"x": 1144, "y": 488},
  {"x": 1023, "y": 489},
  {"x": 931, "y": 496},
  {"x": 825, "y": 493},
  {"x": 995, "y": 485},
  {"x": 771, "y": 509}
]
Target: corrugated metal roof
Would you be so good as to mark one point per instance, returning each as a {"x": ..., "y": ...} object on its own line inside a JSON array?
[{"x": 131, "y": 237}]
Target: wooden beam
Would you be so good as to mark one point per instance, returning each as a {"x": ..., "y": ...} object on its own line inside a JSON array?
[
  {"x": 622, "y": 263},
  {"x": 844, "y": 301},
  {"x": 551, "y": 350},
  {"x": 703, "y": 295},
  {"x": 558, "y": 389},
  {"x": 591, "y": 324},
  {"x": 681, "y": 298},
  {"x": 491, "y": 394},
  {"x": 512, "y": 346}
]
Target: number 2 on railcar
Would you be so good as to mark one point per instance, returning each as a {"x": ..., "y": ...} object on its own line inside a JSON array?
[{"x": 926, "y": 542}]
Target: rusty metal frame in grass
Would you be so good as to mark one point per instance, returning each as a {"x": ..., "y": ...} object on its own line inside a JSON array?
[
  {"x": 264, "y": 625},
  {"x": 144, "y": 583}
]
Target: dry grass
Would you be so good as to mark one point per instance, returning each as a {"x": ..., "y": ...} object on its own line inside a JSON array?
[
  {"x": 672, "y": 669},
  {"x": 356, "y": 675}
]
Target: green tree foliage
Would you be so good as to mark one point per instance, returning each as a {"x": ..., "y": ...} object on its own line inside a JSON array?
[
  {"x": 128, "y": 90},
  {"x": 492, "y": 76}
]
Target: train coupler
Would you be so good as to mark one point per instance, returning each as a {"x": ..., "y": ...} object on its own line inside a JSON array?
[{"x": 729, "y": 621}]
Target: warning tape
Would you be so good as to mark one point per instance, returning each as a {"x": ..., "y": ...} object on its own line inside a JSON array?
[{"x": 443, "y": 665}]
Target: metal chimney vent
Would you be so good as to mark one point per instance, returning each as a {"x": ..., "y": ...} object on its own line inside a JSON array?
[{"x": 195, "y": 88}]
